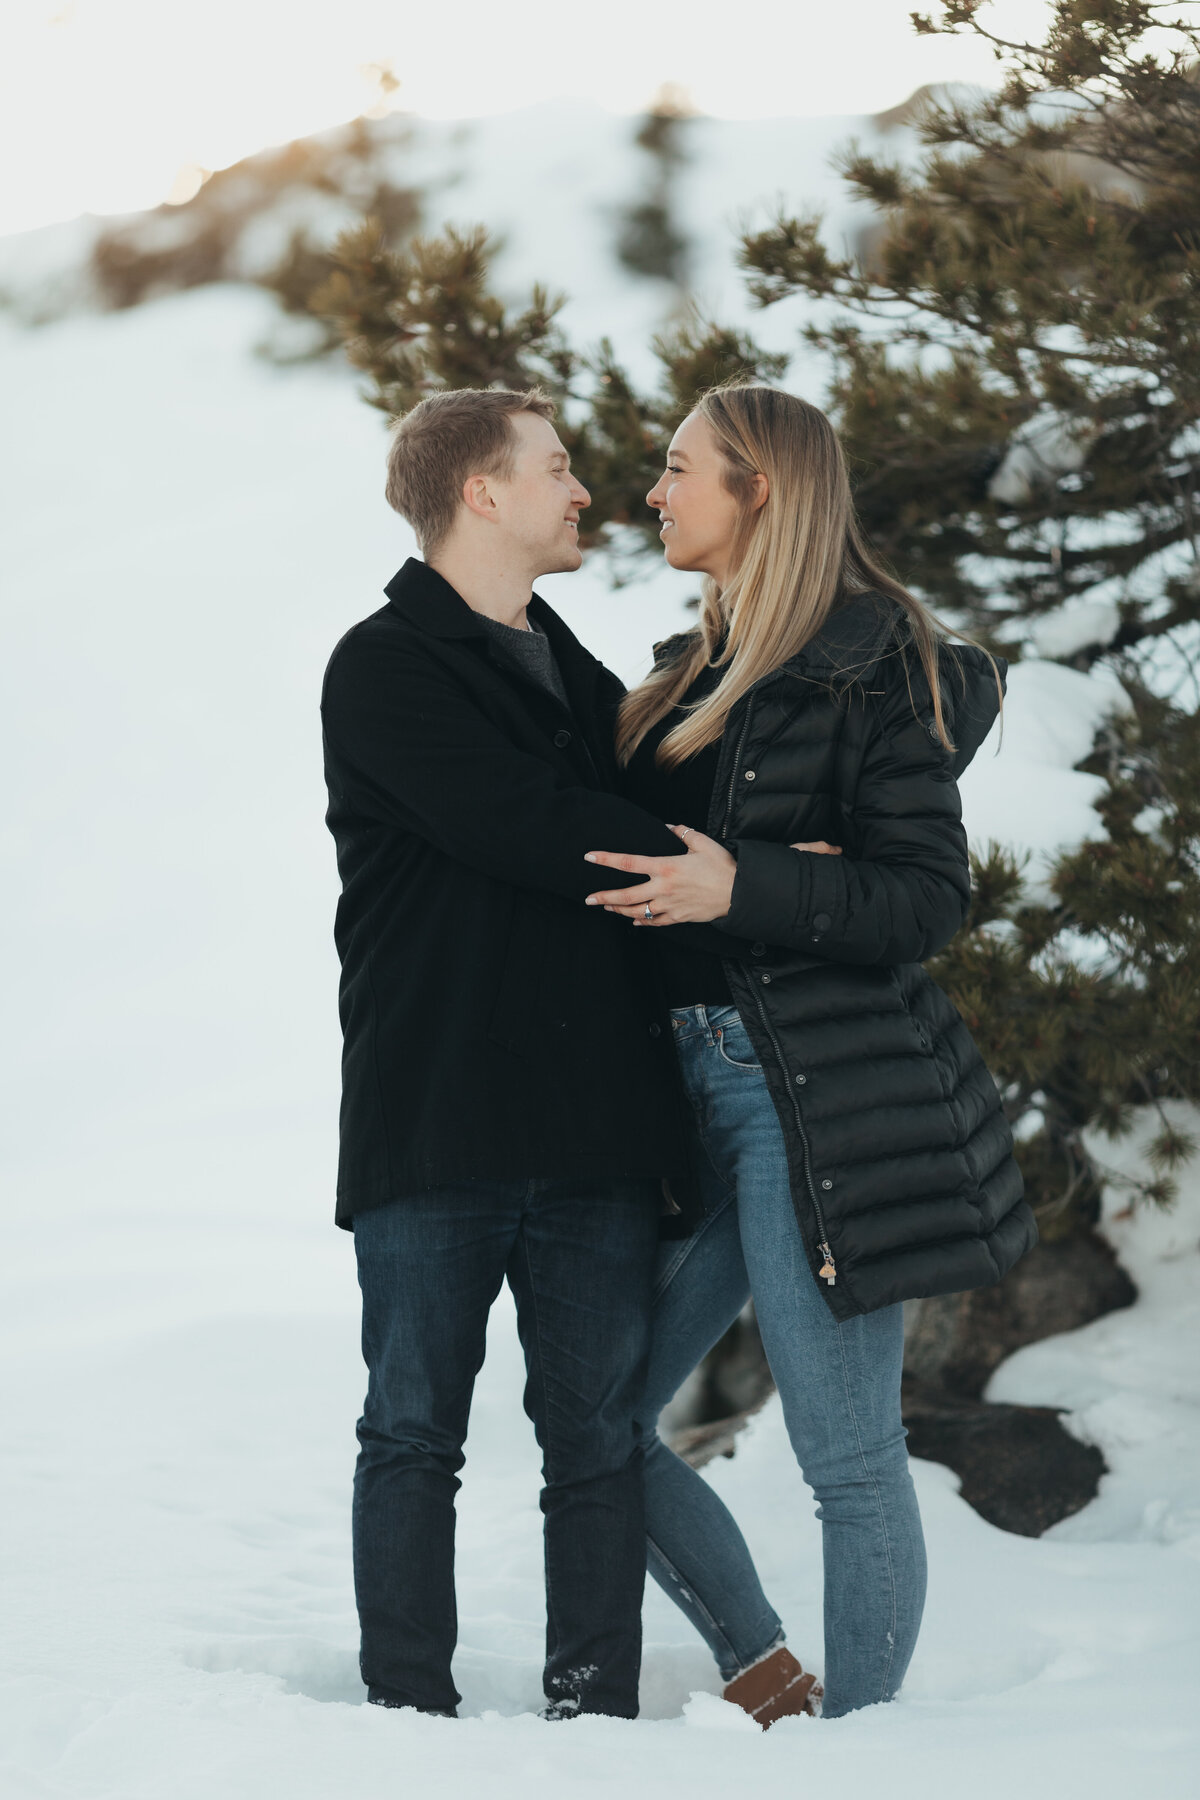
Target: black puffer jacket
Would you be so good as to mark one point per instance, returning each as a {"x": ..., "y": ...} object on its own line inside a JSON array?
[{"x": 901, "y": 1163}]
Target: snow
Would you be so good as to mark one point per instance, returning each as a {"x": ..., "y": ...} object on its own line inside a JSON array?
[
  {"x": 1131, "y": 1381},
  {"x": 1076, "y": 627},
  {"x": 1037, "y": 457},
  {"x": 1022, "y": 788},
  {"x": 187, "y": 532}
]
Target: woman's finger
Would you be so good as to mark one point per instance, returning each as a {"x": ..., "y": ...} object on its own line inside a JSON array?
[
  {"x": 634, "y": 865},
  {"x": 820, "y": 848},
  {"x": 626, "y": 896}
]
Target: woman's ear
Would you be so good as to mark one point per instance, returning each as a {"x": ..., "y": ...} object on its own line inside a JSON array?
[{"x": 759, "y": 491}]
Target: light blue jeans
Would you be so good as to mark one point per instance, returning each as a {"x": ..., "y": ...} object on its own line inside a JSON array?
[{"x": 839, "y": 1385}]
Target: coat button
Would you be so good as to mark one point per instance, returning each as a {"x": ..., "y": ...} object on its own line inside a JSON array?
[
  {"x": 766, "y": 980},
  {"x": 561, "y": 739},
  {"x": 933, "y": 730},
  {"x": 656, "y": 1029},
  {"x": 758, "y": 949},
  {"x": 827, "y": 1183},
  {"x": 822, "y": 922},
  {"x": 800, "y": 1080},
  {"x": 749, "y": 774}
]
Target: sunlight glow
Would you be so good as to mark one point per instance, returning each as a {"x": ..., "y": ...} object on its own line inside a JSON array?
[{"x": 114, "y": 105}]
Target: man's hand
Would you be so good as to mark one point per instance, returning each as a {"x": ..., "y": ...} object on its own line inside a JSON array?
[{"x": 678, "y": 890}]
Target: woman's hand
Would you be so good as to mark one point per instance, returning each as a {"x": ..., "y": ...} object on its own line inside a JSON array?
[{"x": 678, "y": 890}]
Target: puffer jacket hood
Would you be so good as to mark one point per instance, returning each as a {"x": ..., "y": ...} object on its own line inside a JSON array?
[{"x": 869, "y": 632}]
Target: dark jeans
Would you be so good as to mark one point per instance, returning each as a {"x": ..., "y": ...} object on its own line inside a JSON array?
[{"x": 579, "y": 1258}]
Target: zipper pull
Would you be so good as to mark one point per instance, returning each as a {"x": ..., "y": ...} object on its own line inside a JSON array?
[{"x": 828, "y": 1270}]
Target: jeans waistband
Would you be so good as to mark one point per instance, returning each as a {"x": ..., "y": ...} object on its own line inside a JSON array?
[{"x": 701, "y": 1021}]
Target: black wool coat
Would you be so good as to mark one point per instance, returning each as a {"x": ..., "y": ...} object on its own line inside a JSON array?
[
  {"x": 493, "y": 1025},
  {"x": 900, "y": 1156}
]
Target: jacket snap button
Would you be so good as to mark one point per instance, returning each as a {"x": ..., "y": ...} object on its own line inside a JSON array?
[
  {"x": 822, "y": 922},
  {"x": 800, "y": 1080},
  {"x": 766, "y": 980},
  {"x": 827, "y": 1183},
  {"x": 749, "y": 774},
  {"x": 933, "y": 730},
  {"x": 656, "y": 1029},
  {"x": 758, "y": 949},
  {"x": 562, "y": 739}
]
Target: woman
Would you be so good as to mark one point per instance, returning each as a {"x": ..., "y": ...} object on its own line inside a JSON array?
[{"x": 854, "y": 1153}]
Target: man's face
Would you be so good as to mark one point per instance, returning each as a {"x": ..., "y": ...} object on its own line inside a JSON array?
[{"x": 539, "y": 506}]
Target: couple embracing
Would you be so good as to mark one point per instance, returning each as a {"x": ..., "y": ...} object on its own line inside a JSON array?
[{"x": 635, "y": 1019}]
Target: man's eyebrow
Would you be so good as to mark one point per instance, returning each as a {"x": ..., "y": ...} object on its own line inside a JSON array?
[{"x": 561, "y": 456}]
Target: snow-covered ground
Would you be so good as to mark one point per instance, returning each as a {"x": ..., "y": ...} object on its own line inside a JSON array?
[{"x": 186, "y": 533}]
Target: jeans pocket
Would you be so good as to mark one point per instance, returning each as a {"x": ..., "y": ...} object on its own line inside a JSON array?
[{"x": 733, "y": 1043}]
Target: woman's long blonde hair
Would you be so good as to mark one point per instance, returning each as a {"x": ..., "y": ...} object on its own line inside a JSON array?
[{"x": 793, "y": 557}]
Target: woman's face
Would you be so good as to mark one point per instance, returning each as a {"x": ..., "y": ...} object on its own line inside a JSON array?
[{"x": 699, "y": 515}]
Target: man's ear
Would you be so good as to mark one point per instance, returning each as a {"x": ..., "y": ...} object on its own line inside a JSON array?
[{"x": 478, "y": 498}]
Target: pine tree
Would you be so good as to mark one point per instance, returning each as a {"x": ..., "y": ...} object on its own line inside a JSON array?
[
  {"x": 1016, "y": 379},
  {"x": 1016, "y": 372}
]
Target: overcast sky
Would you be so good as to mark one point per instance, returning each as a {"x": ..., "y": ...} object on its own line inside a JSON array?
[{"x": 104, "y": 102}]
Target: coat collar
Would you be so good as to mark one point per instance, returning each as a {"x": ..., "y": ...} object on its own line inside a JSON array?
[
  {"x": 426, "y": 598},
  {"x": 853, "y": 638},
  {"x": 419, "y": 594}
]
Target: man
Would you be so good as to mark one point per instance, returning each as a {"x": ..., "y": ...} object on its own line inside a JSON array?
[{"x": 509, "y": 1099}]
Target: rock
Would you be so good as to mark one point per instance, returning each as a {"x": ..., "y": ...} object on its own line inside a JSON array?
[
  {"x": 955, "y": 1342},
  {"x": 1019, "y": 1468}
]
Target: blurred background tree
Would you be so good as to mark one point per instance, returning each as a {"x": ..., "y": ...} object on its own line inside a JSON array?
[
  {"x": 651, "y": 238},
  {"x": 269, "y": 219}
]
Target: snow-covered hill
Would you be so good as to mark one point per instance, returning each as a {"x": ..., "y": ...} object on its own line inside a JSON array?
[
  {"x": 187, "y": 531},
  {"x": 550, "y": 182}
]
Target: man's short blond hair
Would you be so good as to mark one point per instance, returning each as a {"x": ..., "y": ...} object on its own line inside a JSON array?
[{"x": 443, "y": 440}]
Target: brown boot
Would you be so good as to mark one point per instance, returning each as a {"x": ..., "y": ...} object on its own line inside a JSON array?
[{"x": 774, "y": 1688}]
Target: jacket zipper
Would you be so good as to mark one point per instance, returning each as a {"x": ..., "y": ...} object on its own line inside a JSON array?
[{"x": 828, "y": 1269}]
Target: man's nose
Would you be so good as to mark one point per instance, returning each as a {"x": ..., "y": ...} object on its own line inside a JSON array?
[{"x": 582, "y": 497}]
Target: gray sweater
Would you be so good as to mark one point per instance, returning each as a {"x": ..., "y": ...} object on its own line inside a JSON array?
[{"x": 529, "y": 652}]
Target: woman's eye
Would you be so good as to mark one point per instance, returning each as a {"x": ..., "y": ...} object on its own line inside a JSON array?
[{"x": 674, "y": 469}]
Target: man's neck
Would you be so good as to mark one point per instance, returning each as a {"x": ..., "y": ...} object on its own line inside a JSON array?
[{"x": 497, "y": 592}]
